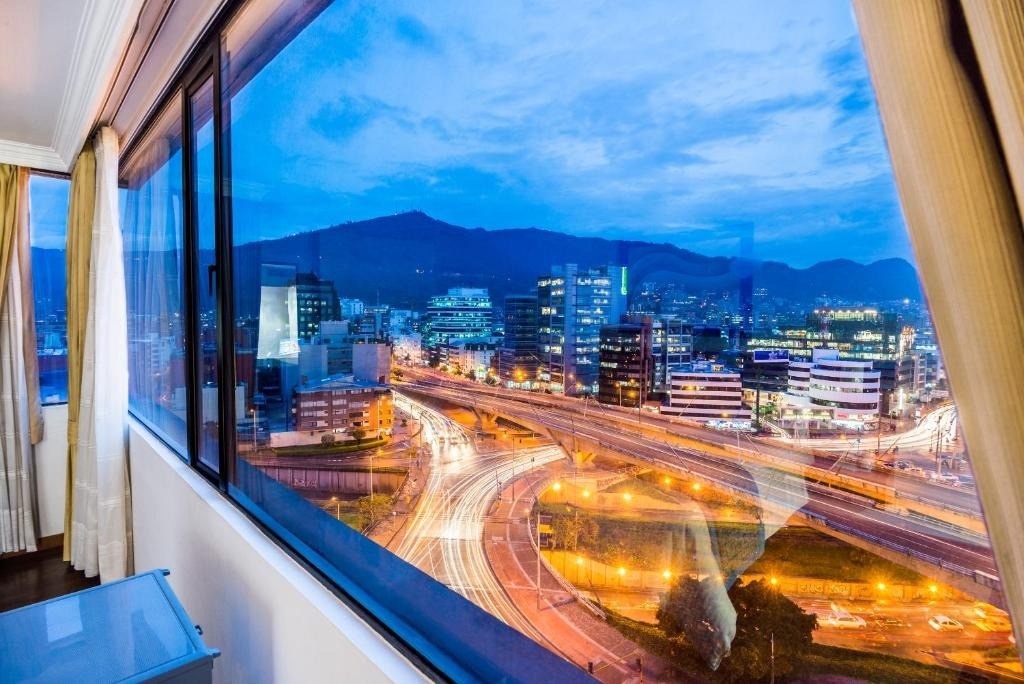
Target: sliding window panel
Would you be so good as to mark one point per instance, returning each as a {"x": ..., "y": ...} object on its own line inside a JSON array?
[
  {"x": 154, "y": 251},
  {"x": 206, "y": 334}
]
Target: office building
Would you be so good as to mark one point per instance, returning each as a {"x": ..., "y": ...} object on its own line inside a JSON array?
[
  {"x": 626, "y": 364},
  {"x": 461, "y": 314},
  {"x": 518, "y": 358},
  {"x": 671, "y": 345},
  {"x": 708, "y": 393},
  {"x": 573, "y": 304},
  {"x": 316, "y": 300},
  {"x": 833, "y": 389}
]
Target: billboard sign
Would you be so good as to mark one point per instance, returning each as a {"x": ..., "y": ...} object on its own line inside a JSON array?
[{"x": 771, "y": 355}]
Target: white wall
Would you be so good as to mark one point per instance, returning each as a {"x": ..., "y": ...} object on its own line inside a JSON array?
[
  {"x": 51, "y": 470},
  {"x": 272, "y": 621}
]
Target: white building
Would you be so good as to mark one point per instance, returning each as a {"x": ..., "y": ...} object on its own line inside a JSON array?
[
  {"x": 846, "y": 391},
  {"x": 706, "y": 392},
  {"x": 371, "y": 362}
]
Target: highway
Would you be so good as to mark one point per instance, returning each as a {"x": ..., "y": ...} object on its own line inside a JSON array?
[
  {"x": 780, "y": 493},
  {"x": 654, "y": 425},
  {"x": 920, "y": 438},
  {"x": 444, "y": 538}
]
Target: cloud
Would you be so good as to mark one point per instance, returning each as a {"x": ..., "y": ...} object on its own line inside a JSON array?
[{"x": 582, "y": 117}]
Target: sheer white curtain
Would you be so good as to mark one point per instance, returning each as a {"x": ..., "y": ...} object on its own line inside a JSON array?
[
  {"x": 100, "y": 517},
  {"x": 17, "y": 483}
]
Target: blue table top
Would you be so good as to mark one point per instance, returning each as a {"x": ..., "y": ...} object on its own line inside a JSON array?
[{"x": 128, "y": 630}]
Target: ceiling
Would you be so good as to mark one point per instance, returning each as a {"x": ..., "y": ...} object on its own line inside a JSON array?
[{"x": 57, "y": 61}]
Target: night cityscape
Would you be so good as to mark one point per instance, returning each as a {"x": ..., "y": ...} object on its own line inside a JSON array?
[{"x": 591, "y": 334}]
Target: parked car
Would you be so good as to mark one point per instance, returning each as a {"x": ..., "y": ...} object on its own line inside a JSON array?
[
  {"x": 844, "y": 621},
  {"x": 943, "y": 623}
]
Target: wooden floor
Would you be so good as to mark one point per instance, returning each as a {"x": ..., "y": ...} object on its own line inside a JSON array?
[{"x": 38, "y": 576}]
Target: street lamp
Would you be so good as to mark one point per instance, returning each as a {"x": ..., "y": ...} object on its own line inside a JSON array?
[{"x": 255, "y": 421}]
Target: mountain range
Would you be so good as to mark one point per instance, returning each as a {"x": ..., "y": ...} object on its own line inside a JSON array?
[{"x": 405, "y": 258}]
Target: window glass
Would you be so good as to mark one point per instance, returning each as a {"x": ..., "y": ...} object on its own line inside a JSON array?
[
  {"x": 49, "y": 228},
  {"x": 606, "y": 319},
  {"x": 206, "y": 342},
  {"x": 153, "y": 230}
]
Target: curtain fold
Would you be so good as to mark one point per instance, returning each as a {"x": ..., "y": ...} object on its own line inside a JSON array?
[
  {"x": 81, "y": 207},
  {"x": 17, "y": 343},
  {"x": 100, "y": 521},
  {"x": 951, "y": 105}
]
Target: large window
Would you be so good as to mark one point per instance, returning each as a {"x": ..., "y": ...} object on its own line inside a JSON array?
[
  {"x": 49, "y": 227},
  {"x": 153, "y": 226},
  {"x": 388, "y": 275}
]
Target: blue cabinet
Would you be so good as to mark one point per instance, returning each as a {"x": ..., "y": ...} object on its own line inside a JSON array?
[{"x": 131, "y": 630}]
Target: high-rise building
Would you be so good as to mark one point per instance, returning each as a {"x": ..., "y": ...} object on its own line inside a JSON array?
[
  {"x": 518, "y": 357},
  {"x": 857, "y": 334},
  {"x": 374, "y": 322},
  {"x": 352, "y": 308},
  {"x": 316, "y": 301},
  {"x": 573, "y": 305},
  {"x": 671, "y": 345},
  {"x": 461, "y": 314},
  {"x": 626, "y": 367}
]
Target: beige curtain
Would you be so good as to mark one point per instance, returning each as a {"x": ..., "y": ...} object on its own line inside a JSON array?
[
  {"x": 20, "y": 413},
  {"x": 81, "y": 206},
  {"x": 101, "y": 504},
  {"x": 949, "y": 77}
]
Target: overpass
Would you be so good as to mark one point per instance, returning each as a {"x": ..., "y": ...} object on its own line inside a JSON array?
[{"x": 958, "y": 557}]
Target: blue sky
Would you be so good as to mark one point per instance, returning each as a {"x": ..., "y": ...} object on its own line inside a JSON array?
[
  {"x": 671, "y": 122},
  {"x": 48, "y": 204}
]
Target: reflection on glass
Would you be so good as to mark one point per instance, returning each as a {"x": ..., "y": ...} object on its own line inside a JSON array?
[
  {"x": 153, "y": 230},
  {"x": 705, "y": 441},
  {"x": 48, "y": 231}
]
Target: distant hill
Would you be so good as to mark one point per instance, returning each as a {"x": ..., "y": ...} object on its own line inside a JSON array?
[{"x": 403, "y": 259}]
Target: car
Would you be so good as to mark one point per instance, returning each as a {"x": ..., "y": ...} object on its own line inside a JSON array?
[
  {"x": 844, "y": 621},
  {"x": 890, "y": 622},
  {"x": 902, "y": 465},
  {"x": 993, "y": 623},
  {"x": 944, "y": 623},
  {"x": 991, "y": 619}
]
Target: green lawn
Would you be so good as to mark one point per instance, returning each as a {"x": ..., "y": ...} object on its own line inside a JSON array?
[
  {"x": 804, "y": 552},
  {"x": 792, "y": 551}
]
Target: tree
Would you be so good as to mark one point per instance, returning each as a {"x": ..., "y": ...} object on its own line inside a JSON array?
[
  {"x": 569, "y": 530},
  {"x": 397, "y": 373},
  {"x": 327, "y": 439},
  {"x": 695, "y": 611},
  {"x": 373, "y": 509},
  {"x": 358, "y": 435}
]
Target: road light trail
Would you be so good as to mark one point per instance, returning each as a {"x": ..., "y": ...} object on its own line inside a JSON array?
[
  {"x": 445, "y": 536},
  {"x": 859, "y": 516}
]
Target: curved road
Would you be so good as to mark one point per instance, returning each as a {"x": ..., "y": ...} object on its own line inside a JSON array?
[{"x": 777, "y": 490}]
